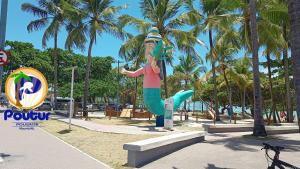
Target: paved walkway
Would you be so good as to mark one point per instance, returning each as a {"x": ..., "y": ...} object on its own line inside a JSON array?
[
  {"x": 36, "y": 149},
  {"x": 231, "y": 151},
  {"x": 125, "y": 129},
  {"x": 119, "y": 129}
]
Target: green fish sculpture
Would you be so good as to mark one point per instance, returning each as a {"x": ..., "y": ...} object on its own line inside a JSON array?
[{"x": 159, "y": 52}]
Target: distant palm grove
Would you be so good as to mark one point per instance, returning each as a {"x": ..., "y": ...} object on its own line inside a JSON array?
[{"x": 254, "y": 52}]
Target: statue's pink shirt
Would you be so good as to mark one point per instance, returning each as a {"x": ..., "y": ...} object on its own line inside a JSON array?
[{"x": 151, "y": 79}]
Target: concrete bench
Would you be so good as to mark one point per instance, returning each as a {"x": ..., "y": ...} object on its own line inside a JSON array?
[
  {"x": 282, "y": 129},
  {"x": 145, "y": 151},
  {"x": 223, "y": 128}
]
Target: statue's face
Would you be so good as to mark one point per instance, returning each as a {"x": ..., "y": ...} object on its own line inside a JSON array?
[{"x": 149, "y": 46}]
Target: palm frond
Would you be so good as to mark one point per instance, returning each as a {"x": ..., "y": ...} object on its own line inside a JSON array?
[
  {"x": 37, "y": 24},
  {"x": 114, "y": 30},
  {"x": 190, "y": 18},
  {"x": 133, "y": 48},
  {"x": 186, "y": 42},
  {"x": 50, "y": 31},
  {"x": 110, "y": 12},
  {"x": 171, "y": 9},
  {"x": 276, "y": 13},
  {"x": 149, "y": 8},
  {"x": 36, "y": 11},
  {"x": 103, "y": 6},
  {"x": 76, "y": 37},
  {"x": 139, "y": 24}
]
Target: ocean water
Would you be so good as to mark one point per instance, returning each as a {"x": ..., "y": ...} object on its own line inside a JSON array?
[
  {"x": 198, "y": 107},
  {"x": 236, "y": 109}
]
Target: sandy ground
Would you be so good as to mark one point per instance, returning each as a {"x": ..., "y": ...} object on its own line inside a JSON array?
[
  {"x": 178, "y": 125},
  {"x": 123, "y": 121},
  {"x": 105, "y": 147}
]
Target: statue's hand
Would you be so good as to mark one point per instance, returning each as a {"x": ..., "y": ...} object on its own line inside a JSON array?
[
  {"x": 154, "y": 66},
  {"x": 123, "y": 71},
  {"x": 153, "y": 63}
]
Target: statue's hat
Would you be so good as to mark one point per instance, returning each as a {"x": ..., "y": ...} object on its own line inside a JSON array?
[{"x": 153, "y": 35}]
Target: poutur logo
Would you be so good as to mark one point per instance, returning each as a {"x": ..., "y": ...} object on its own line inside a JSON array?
[{"x": 26, "y": 88}]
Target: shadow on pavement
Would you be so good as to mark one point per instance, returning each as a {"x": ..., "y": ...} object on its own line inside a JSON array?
[
  {"x": 151, "y": 129},
  {"x": 212, "y": 166},
  {"x": 125, "y": 165},
  {"x": 253, "y": 144},
  {"x": 3, "y": 155},
  {"x": 66, "y": 131},
  {"x": 219, "y": 134}
]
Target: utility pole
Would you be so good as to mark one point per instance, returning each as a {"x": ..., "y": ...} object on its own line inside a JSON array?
[
  {"x": 118, "y": 78},
  {"x": 118, "y": 93},
  {"x": 71, "y": 99},
  {"x": 3, "y": 19}
]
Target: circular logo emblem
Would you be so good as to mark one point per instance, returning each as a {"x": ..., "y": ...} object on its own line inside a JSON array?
[
  {"x": 26, "y": 88},
  {"x": 3, "y": 58}
]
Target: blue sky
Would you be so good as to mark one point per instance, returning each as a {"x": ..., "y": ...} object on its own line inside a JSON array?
[{"x": 106, "y": 45}]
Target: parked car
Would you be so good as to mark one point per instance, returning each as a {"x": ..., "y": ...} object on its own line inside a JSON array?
[
  {"x": 45, "y": 106},
  {"x": 129, "y": 106},
  {"x": 115, "y": 106},
  {"x": 92, "y": 106},
  {"x": 101, "y": 107},
  {"x": 63, "y": 103},
  {"x": 3, "y": 99}
]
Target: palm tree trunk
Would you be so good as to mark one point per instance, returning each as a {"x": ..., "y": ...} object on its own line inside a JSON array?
[
  {"x": 213, "y": 67},
  {"x": 243, "y": 102},
  {"x": 87, "y": 79},
  {"x": 185, "y": 88},
  {"x": 55, "y": 58},
  {"x": 294, "y": 13},
  {"x": 229, "y": 93},
  {"x": 271, "y": 86},
  {"x": 165, "y": 78},
  {"x": 286, "y": 78},
  {"x": 259, "y": 126},
  {"x": 164, "y": 63}
]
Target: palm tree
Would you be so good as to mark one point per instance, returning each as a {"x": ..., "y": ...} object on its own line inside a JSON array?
[
  {"x": 89, "y": 19},
  {"x": 270, "y": 36},
  {"x": 187, "y": 70},
  {"x": 277, "y": 13},
  {"x": 294, "y": 13},
  {"x": 164, "y": 15},
  {"x": 51, "y": 15},
  {"x": 241, "y": 74},
  {"x": 227, "y": 43},
  {"x": 210, "y": 10},
  {"x": 215, "y": 13},
  {"x": 259, "y": 126},
  {"x": 225, "y": 69},
  {"x": 18, "y": 78}
]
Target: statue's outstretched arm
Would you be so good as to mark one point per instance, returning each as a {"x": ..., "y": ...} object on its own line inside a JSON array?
[{"x": 136, "y": 73}]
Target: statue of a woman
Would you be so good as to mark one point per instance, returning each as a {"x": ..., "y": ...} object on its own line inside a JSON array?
[{"x": 151, "y": 72}]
